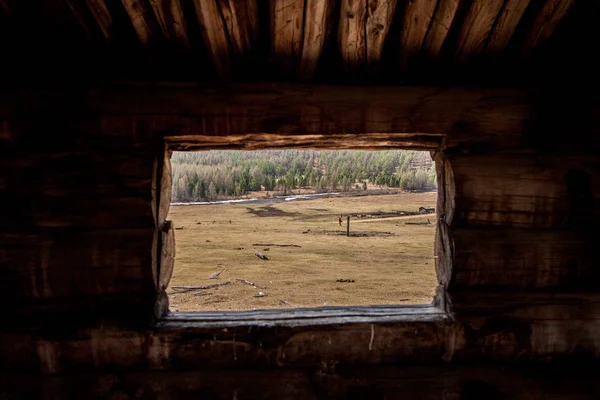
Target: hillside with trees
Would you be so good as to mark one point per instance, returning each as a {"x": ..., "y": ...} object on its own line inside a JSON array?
[{"x": 225, "y": 174}]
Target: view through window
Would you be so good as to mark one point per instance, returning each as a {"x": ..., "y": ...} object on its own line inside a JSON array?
[{"x": 302, "y": 228}]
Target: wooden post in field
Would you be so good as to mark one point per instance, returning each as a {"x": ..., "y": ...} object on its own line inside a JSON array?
[{"x": 348, "y": 226}]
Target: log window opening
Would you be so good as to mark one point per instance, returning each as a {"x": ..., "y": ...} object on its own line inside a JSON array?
[{"x": 302, "y": 228}]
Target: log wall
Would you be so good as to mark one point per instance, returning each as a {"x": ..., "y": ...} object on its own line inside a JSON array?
[{"x": 85, "y": 251}]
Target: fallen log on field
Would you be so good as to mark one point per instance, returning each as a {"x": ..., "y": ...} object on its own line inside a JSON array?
[{"x": 261, "y": 255}]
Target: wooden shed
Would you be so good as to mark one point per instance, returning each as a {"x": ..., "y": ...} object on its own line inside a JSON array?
[{"x": 96, "y": 94}]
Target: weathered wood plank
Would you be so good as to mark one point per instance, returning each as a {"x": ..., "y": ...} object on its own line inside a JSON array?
[
  {"x": 514, "y": 258},
  {"x": 377, "y": 26},
  {"x": 505, "y": 25},
  {"x": 316, "y": 19},
  {"x": 99, "y": 13},
  {"x": 262, "y": 141},
  {"x": 458, "y": 112},
  {"x": 444, "y": 381},
  {"x": 167, "y": 260},
  {"x": 351, "y": 33},
  {"x": 63, "y": 262},
  {"x": 476, "y": 28},
  {"x": 169, "y": 16},
  {"x": 546, "y": 21},
  {"x": 241, "y": 21},
  {"x": 526, "y": 192},
  {"x": 287, "y": 32},
  {"x": 229, "y": 28},
  {"x": 78, "y": 211},
  {"x": 415, "y": 24},
  {"x": 441, "y": 22},
  {"x": 141, "y": 19}
]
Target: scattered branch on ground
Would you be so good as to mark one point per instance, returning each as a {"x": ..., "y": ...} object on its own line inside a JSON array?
[
  {"x": 216, "y": 274},
  {"x": 283, "y": 301},
  {"x": 345, "y": 280},
  {"x": 251, "y": 284},
  {"x": 261, "y": 255}
]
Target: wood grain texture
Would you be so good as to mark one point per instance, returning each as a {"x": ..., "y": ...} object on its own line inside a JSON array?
[
  {"x": 459, "y": 113},
  {"x": 139, "y": 14},
  {"x": 102, "y": 16},
  {"x": 316, "y": 20},
  {"x": 445, "y": 381},
  {"x": 417, "y": 19},
  {"x": 167, "y": 256},
  {"x": 546, "y": 21},
  {"x": 523, "y": 259},
  {"x": 169, "y": 16},
  {"x": 287, "y": 33},
  {"x": 214, "y": 32},
  {"x": 62, "y": 262},
  {"x": 241, "y": 21},
  {"x": 377, "y": 26},
  {"x": 505, "y": 25},
  {"x": 441, "y": 22},
  {"x": 476, "y": 28},
  {"x": 351, "y": 32}
]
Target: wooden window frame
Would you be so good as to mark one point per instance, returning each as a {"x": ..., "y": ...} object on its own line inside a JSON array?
[{"x": 436, "y": 312}]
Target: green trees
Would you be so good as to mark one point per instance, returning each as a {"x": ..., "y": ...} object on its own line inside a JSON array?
[{"x": 213, "y": 175}]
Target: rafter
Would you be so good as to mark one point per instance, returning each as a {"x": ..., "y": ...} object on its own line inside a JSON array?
[
  {"x": 417, "y": 17},
  {"x": 441, "y": 22},
  {"x": 316, "y": 16},
  {"x": 141, "y": 19},
  {"x": 377, "y": 26},
  {"x": 476, "y": 28},
  {"x": 505, "y": 26},
  {"x": 351, "y": 32},
  {"x": 169, "y": 16},
  {"x": 287, "y": 26},
  {"x": 551, "y": 14}
]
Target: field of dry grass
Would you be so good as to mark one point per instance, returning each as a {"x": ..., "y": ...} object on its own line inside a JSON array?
[{"x": 391, "y": 262}]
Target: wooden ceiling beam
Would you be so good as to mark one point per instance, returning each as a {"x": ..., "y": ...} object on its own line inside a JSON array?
[
  {"x": 169, "y": 16},
  {"x": 98, "y": 11},
  {"x": 505, "y": 25},
  {"x": 351, "y": 33},
  {"x": 215, "y": 37},
  {"x": 418, "y": 15},
  {"x": 316, "y": 16},
  {"x": 441, "y": 22},
  {"x": 229, "y": 28},
  {"x": 141, "y": 19},
  {"x": 379, "y": 20},
  {"x": 287, "y": 32},
  {"x": 476, "y": 28},
  {"x": 546, "y": 21}
]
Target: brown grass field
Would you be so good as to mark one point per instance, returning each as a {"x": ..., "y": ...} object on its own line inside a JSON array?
[{"x": 391, "y": 263}]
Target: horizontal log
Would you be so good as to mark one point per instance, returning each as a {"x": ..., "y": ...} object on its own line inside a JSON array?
[
  {"x": 62, "y": 262},
  {"x": 77, "y": 211},
  {"x": 554, "y": 381},
  {"x": 514, "y": 258},
  {"x": 77, "y": 173},
  {"x": 519, "y": 191}
]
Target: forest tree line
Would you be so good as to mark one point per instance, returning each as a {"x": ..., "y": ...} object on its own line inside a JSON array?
[{"x": 223, "y": 174}]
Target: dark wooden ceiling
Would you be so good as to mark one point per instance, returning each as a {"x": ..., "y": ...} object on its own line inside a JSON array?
[{"x": 332, "y": 41}]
